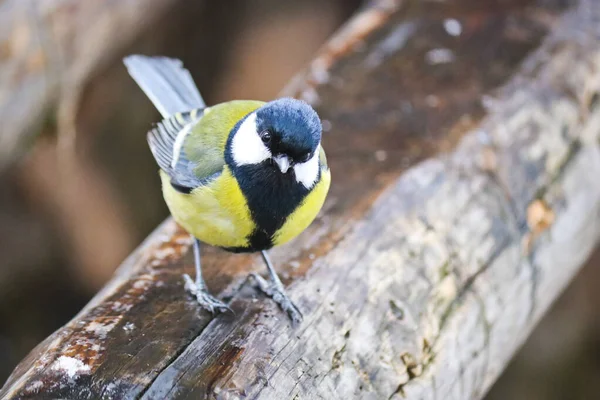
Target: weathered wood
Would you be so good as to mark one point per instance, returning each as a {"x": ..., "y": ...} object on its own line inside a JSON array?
[
  {"x": 415, "y": 282},
  {"x": 48, "y": 50}
]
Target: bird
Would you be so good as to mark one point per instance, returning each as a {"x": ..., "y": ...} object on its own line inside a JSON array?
[{"x": 242, "y": 175}]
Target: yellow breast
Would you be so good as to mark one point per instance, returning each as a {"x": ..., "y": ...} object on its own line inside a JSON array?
[
  {"x": 216, "y": 213},
  {"x": 306, "y": 212}
]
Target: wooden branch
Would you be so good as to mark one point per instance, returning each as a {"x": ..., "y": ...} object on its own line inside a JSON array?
[
  {"x": 416, "y": 282},
  {"x": 49, "y": 49}
]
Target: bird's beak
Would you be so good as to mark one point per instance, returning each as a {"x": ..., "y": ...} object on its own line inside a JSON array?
[{"x": 283, "y": 163}]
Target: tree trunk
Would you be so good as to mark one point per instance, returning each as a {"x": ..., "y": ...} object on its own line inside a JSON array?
[{"x": 464, "y": 146}]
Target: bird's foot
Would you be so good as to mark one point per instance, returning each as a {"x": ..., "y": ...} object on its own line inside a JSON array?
[
  {"x": 205, "y": 299},
  {"x": 275, "y": 291}
]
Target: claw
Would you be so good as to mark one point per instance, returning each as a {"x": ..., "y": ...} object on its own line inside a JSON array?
[
  {"x": 205, "y": 299},
  {"x": 277, "y": 293}
]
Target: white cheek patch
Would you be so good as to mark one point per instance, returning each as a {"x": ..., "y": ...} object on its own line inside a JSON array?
[
  {"x": 247, "y": 147},
  {"x": 308, "y": 172}
]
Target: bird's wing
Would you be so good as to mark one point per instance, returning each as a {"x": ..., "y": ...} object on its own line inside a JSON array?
[
  {"x": 190, "y": 146},
  {"x": 167, "y": 141},
  {"x": 173, "y": 92}
]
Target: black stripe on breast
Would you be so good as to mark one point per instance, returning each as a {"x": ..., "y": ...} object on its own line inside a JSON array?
[{"x": 271, "y": 196}]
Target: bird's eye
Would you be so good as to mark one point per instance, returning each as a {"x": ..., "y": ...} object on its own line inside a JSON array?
[
  {"x": 266, "y": 137},
  {"x": 306, "y": 158}
]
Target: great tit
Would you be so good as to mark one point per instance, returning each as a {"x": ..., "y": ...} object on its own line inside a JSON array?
[{"x": 241, "y": 175}]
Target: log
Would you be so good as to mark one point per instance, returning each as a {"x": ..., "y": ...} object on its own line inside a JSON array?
[
  {"x": 48, "y": 50},
  {"x": 464, "y": 144}
]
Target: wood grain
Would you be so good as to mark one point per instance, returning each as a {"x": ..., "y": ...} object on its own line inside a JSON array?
[{"x": 464, "y": 199}]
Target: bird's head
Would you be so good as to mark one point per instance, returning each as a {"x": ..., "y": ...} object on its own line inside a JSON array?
[{"x": 283, "y": 134}]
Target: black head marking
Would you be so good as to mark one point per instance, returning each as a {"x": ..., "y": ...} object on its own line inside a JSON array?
[{"x": 293, "y": 126}]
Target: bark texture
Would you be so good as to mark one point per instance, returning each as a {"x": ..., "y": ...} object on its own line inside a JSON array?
[{"x": 464, "y": 142}]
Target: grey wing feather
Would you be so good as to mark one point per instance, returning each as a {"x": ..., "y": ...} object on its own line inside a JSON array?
[
  {"x": 173, "y": 92},
  {"x": 167, "y": 84},
  {"x": 166, "y": 143}
]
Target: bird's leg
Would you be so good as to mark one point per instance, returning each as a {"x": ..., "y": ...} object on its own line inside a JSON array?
[
  {"x": 274, "y": 289},
  {"x": 198, "y": 287}
]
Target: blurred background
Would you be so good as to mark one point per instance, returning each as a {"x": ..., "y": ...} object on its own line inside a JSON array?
[{"x": 64, "y": 230}]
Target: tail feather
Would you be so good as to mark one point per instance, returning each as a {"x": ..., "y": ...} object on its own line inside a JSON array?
[{"x": 167, "y": 84}]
